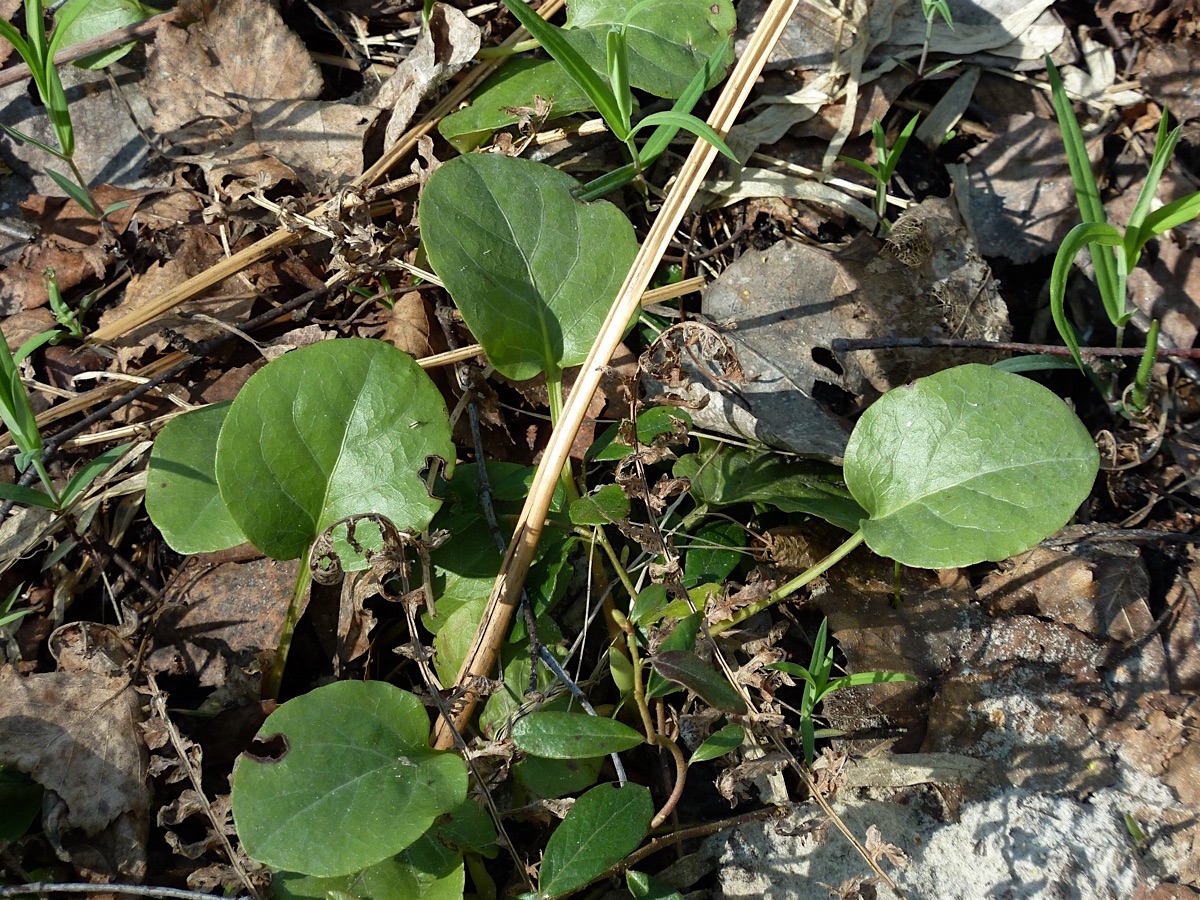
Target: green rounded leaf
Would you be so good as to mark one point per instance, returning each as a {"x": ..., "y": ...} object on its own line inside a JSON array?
[
  {"x": 327, "y": 431},
  {"x": 533, "y": 270},
  {"x": 564, "y": 735},
  {"x": 514, "y": 87},
  {"x": 97, "y": 18},
  {"x": 554, "y": 778},
  {"x": 967, "y": 465},
  {"x": 182, "y": 496},
  {"x": 603, "y": 827},
  {"x": 352, "y": 780},
  {"x": 604, "y": 506},
  {"x": 668, "y": 40}
]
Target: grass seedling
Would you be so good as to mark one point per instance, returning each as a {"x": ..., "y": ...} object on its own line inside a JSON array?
[
  {"x": 932, "y": 9},
  {"x": 37, "y": 50},
  {"x": 613, "y": 97},
  {"x": 1114, "y": 251},
  {"x": 17, "y": 413},
  {"x": 818, "y": 685},
  {"x": 7, "y": 614},
  {"x": 67, "y": 318},
  {"x": 886, "y": 161}
]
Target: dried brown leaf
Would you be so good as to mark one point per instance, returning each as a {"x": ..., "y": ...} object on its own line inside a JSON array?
[{"x": 76, "y": 733}]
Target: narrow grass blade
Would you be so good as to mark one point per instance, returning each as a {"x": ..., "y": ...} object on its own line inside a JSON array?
[
  {"x": 46, "y": 337},
  {"x": 618, "y": 73},
  {"x": 662, "y": 136},
  {"x": 1087, "y": 193},
  {"x": 1141, "y": 383},
  {"x": 1077, "y": 238},
  {"x": 33, "y": 142},
  {"x": 688, "y": 123},
  {"x": 1173, "y": 214},
  {"x": 89, "y": 473},
  {"x": 27, "y": 496},
  {"x": 857, "y": 679},
  {"x": 75, "y": 192},
  {"x": 10, "y": 34},
  {"x": 862, "y": 167},
  {"x": 568, "y": 57},
  {"x": 888, "y": 165},
  {"x": 60, "y": 115},
  {"x": 1164, "y": 149}
]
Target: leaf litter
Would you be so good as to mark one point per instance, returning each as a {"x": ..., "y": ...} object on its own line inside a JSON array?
[{"x": 1057, "y": 691}]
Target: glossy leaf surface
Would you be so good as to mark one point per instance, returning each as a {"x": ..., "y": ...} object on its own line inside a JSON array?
[
  {"x": 567, "y": 735},
  {"x": 603, "y": 827},
  {"x": 967, "y": 465}
]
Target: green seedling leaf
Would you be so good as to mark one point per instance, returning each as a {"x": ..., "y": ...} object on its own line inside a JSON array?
[
  {"x": 15, "y": 409},
  {"x": 967, "y": 465},
  {"x": 20, "y": 802},
  {"x": 455, "y": 634},
  {"x": 93, "y": 18},
  {"x": 688, "y": 123},
  {"x": 1164, "y": 149},
  {"x": 1034, "y": 362},
  {"x": 603, "y": 827},
  {"x": 643, "y": 887},
  {"x": 518, "y": 254},
  {"x": 331, "y": 430},
  {"x": 514, "y": 87},
  {"x": 706, "y": 558},
  {"x": 31, "y": 141},
  {"x": 604, "y": 506},
  {"x": 686, "y": 668},
  {"x": 554, "y": 778},
  {"x": 668, "y": 40},
  {"x": 648, "y": 604},
  {"x": 719, "y": 743},
  {"x": 1173, "y": 214},
  {"x": 349, "y": 781},
  {"x": 651, "y": 423},
  {"x": 90, "y": 472},
  {"x": 859, "y": 679},
  {"x": 618, "y": 72},
  {"x": 28, "y": 497},
  {"x": 721, "y": 477},
  {"x": 1082, "y": 235},
  {"x": 400, "y": 876},
  {"x": 1087, "y": 192},
  {"x": 564, "y": 735},
  {"x": 581, "y": 71},
  {"x": 503, "y": 707},
  {"x": 75, "y": 192}
]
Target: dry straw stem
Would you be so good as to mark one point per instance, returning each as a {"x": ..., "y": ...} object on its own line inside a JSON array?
[
  {"x": 497, "y": 616},
  {"x": 282, "y": 239}
]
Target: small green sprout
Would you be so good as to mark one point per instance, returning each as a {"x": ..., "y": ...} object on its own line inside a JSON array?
[
  {"x": 1112, "y": 266},
  {"x": 818, "y": 685},
  {"x": 7, "y": 614},
  {"x": 931, "y": 10},
  {"x": 887, "y": 160},
  {"x": 613, "y": 97}
]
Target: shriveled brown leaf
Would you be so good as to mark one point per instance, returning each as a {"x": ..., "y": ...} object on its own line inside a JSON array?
[
  {"x": 447, "y": 43},
  {"x": 409, "y": 327},
  {"x": 238, "y": 89},
  {"x": 76, "y": 733}
]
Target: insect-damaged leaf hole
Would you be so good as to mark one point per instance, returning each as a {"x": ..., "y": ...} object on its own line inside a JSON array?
[{"x": 268, "y": 750}]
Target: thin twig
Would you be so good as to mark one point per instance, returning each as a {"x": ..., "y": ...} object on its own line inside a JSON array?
[
  {"x": 851, "y": 345},
  {"x": 114, "y": 38},
  {"x": 129, "y": 890},
  {"x": 158, "y": 702}
]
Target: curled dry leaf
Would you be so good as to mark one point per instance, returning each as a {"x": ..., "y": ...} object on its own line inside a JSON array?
[{"x": 448, "y": 42}]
